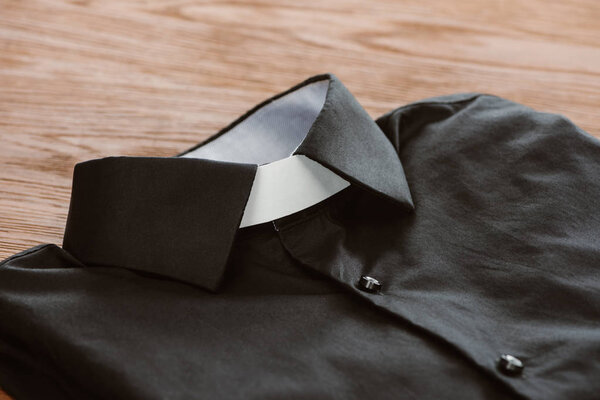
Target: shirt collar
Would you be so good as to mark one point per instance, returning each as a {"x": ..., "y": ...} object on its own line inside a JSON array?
[{"x": 178, "y": 216}]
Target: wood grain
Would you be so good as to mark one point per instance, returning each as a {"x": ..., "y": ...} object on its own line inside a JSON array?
[{"x": 84, "y": 79}]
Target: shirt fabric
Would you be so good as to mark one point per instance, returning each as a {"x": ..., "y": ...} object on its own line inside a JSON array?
[{"x": 478, "y": 216}]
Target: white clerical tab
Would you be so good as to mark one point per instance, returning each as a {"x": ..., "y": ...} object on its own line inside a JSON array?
[{"x": 289, "y": 185}]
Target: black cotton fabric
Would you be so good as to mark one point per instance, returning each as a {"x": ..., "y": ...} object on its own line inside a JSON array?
[
  {"x": 157, "y": 215},
  {"x": 479, "y": 217}
]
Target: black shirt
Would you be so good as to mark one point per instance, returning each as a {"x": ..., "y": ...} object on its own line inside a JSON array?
[{"x": 463, "y": 261}]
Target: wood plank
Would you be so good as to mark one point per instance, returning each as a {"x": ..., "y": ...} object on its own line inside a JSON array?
[{"x": 83, "y": 79}]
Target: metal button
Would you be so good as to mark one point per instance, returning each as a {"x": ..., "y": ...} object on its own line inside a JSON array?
[
  {"x": 369, "y": 284},
  {"x": 510, "y": 365}
]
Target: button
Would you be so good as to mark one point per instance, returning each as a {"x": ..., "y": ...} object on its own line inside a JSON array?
[
  {"x": 369, "y": 284},
  {"x": 510, "y": 365}
]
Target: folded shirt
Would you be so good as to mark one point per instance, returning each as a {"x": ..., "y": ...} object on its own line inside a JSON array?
[{"x": 462, "y": 261}]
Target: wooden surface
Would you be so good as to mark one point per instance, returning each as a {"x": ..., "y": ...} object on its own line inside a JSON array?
[{"x": 85, "y": 79}]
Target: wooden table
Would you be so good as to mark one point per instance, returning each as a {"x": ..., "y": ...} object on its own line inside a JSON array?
[{"x": 84, "y": 79}]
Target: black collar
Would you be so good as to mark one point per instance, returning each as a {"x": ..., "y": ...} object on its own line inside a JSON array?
[{"x": 178, "y": 216}]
